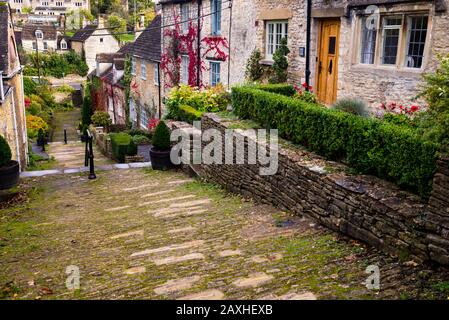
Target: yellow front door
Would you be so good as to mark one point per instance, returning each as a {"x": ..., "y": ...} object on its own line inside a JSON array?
[{"x": 327, "y": 66}]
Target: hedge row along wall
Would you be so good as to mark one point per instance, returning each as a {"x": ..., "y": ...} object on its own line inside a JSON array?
[
  {"x": 388, "y": 151},
  {"x": 363, "y": 207}
]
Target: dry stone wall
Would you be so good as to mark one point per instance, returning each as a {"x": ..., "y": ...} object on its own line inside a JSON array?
[{"x": 363, "y": 207}]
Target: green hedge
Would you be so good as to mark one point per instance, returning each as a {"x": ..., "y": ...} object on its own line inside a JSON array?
[
  {"x": 282, "y": 88},
  {"x": 389, "y": 151},
  {"x": 122, "y": 145},
  {"x": 184, "y": 113}
]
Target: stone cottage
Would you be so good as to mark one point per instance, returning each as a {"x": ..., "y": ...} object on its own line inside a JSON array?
[
  {"x": 45, "y": 38},
  {"x": 12, "y": 105},
  {"x": 223, "y": 50},
  {"x": 145, "y": 89},
  {"x": 376, "y": 50},
  {"x": 92, "y": 40}
]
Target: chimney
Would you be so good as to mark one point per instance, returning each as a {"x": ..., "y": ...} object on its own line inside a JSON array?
[
  {"x": 100, "y": 21},
  {"x": 140, "y": 26}
]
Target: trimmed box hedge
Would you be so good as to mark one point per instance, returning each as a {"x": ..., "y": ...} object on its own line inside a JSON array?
[
  {"x": 389, "y": 151},
  {"x": 122, "y": 145},
  {"x": 185, "y": 113},
  {"x": 281, "y": 88}
]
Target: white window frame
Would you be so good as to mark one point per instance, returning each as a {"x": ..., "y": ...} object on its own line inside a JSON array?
[
  {"x": 63, "y": 45},
  {"x": 143, "y": 71},
  {"x": 284, "y": 34},
  {"x": 39, "y": 34},
  {"x": 143, "y": 116},
  {"x": 156, "y": 74},
  {"x": 213, "y": 73},
  {"x": 407, "y": 42},
  {"x": 133, "y": 66},
  {"x": 185, "y": 16},
  {"x": 45, "y": 45},
  {"x": 392, "y": 27},
  {"x": 185, "y": 61},
  {"x": 216, "y": 13}
]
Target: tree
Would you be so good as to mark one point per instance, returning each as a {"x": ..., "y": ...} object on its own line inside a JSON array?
[
  {"x": 280, "y": 65},
  {"x": 117, "y": 24},
  {"x": 254, "y": 70}
]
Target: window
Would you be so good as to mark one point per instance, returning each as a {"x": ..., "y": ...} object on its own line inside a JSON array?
[
  {"x": 34, "y": 45},
  {"x": 156, "y": 74},
  {"x": 275, "y": 31},
  {"x": 45, "y": 3},
  {"x": 101, "y": 40},
  {"x": 215, "y": 7},
  {"x": 143, "y": 118},
  {"x": 59, "y": 4},
  {"x": 185, "y": 69},
  {"x": 143, "y": 71},
  {"x": 133, "y": 66},
  {"x": 369, "y": 35},
  {"x": 39, "y": 34},
  {"x": 78, "y": 4},
  {"x": 45, "y": 45},
  {"x": 185, "y": 16},
  {"x": 416, "y": 40},
  {"x": 400, "y": 41},
  {"x": 63, "y": 45},
  {"x": 214, "y": 73}
]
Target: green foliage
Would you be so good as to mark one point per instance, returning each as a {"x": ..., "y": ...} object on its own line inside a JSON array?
[
  {"x": 161, "y": 137},
  {"x": 35, "y": 108},
  {"x": 29, "y": 86},
  {"x": 141, "y": 139},
  {"x": 352, "y": 105},
  {"x": 86, "y": 111},
  {"x": 57, "y": 65},
  {"x": 36, "y": 124},
  {"x": 306, "y": 96},
  {"x": 389, "y": 151},
  {"x": 434, "y": 123},
  {"x": 5, "y": 152},
  {"x": 116, "y": 24},
  {"x": 65, "y": 89},
  {"x": 254, "y": 70},
  {"x": 186, "y": 103},
  {"x": 280, "y": 64},
  {"x": 126, "y": 82},
  {"x": 281, "y": 88},
  {"x": 122, "y": 145},
  {"x": 400, "y": 119},
  {"x": 101, "y": 119}
]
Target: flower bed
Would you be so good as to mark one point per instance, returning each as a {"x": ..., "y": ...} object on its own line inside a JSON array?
[{"x": 392, "y": 152}]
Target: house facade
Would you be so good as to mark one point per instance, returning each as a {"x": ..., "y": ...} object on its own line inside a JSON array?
[
  {"x": 49, "y": 7},
  {"x": 92, "y": 40},
  {"x": 12, "y": 105},
  {"x": 45, "y": 38},
  {"x": 223, "y": 50},
  {"x": 375, "y": 50},
  {"x": 145, "y": 88}
]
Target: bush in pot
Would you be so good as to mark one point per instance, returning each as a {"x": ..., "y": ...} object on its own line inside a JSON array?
[
  {"x": 9, "y": 169},
  {"x": 160, "y": 151}
]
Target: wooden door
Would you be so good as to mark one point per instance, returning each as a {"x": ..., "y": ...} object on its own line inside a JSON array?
[{"x": 327, "y": 66}]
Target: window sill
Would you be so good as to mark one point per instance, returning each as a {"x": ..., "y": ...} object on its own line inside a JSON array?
[
  {"x": 266, "y": 62},
  {"x": 388, "y": 70}
]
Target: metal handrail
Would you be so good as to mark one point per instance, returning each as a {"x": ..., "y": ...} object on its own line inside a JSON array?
[{"x": 89, "y": 155}]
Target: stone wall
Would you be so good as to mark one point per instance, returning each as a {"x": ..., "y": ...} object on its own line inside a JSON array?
[{"x": 363, "y": 207}]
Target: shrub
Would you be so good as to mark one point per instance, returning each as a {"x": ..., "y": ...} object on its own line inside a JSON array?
[
  {"x": 34, "y": 124},
  {"x": 122, "y": 145},
  {"x": 280, "y": 65},
  {"x": 5, "y": 152},
  {"x": 35, "y": 108},
  {"x": 86, "y": 111},
  {"x": 117, "y": 128},
  {"x": 161, "y": 137},
  {"x": 254, "y": 70},
  {"x": 282, "y": 88},
  {"x": 304, "y": 94},
  {"x": 389, "y": 151},
  {"x": 139, "y": 132},
  {"x": 352, "y": 105},
  {"x": 140, "y": 139},
  {"x": 189, "y": 114},
  {"x": 29, "y": 86},
  {"x": 101, "y": 119}
]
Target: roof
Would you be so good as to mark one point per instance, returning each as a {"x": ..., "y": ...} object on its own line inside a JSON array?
[
  {"x": 50, "y": 9},
  {"x": 148, "y": 45},
  {"x": 127, "y": 48},
  {"x": 84, "y": 33},
  {"x": 28, "y": 31},
  {"x": 108, "y": 77},
  {"x": 66, "y": 39},
  {"x": 4, "y": 25},
  {"x": 105, "y": 57}
]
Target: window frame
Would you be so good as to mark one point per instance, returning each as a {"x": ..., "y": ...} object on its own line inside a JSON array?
[
  {"x": 185, "y": 25},
  {"x": 40, "y": 33},
  {"x": 133, "y": 66},
  {"x": 63, "y": 45},
  {"x": 213, "y": 74},
  {"x": 184, "y": 76},
  {"x": 216, "y": 8},
  {"x": 143, "y": 71},
  {"x": 403, "y": 41},
  {"x": 156, "y": 74},
  {"x": 284, "y": 34}
]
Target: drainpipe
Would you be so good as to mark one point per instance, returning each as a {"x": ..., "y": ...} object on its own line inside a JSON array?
[
  {"x": 308, "y": 32},
  {"x": 229, "y": 44},
  {"x": 159, "y": 89},
  {"x": 25, "y": 133},
  {"x": 16, "y": 133},
  {"x": 198, "y": 71},
  {"x": 2, "y": 93}
]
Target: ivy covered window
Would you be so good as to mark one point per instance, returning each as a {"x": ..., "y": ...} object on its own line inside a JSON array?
[
  {"x": 185, "y": 16},
  {"x": 185, "y": 69},
  {"x": 215, "y": 7}
]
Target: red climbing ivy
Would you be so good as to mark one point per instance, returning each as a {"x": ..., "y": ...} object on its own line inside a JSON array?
[{"x": 185, "y": 43}]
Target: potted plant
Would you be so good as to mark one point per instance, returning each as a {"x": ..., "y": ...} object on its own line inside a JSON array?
[
  {"x": 160, "y": 151},
  {"x": 9, "y": 169}
]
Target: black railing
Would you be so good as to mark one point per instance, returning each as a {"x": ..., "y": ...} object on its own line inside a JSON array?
[{"x": 89, "y": 156}]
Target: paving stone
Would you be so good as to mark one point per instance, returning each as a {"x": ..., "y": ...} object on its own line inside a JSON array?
[
  {"x": 117, "y": 209},
  {"x": 173, "y": 199},
  {"x": 140, "y": 165},
  {"x": 159, "y": 193},
  {"x": 253, "y": 280},
  {"x": 172, "y": 286},
  {"x": 143, "y": 186},
  {"x": 297, "y": 296},
  {"x": 128, "y": 234},
  {"x": 178, "y": 259},
  {"x": 135, "y": 270},
  {"x": 169, "y": 210},
  {"x": 190, "y": 203},
  {"x": 31, "y": 174},
  {"x": 121, "y": 166},
  {"x": 229, "y": 253},
  {"x": 212, "y": 294},
  {"x": 182, "y": 214},
  {"x": 172, "y": 247},
  {"x": 175, "y": 182},
  {"x": 182, "y": 230}
]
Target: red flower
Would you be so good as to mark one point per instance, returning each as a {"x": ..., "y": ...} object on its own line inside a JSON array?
[
  {"x": 382, "y": 105},
  {"x": 414, "y": 109},
  {"x": 27, "y": 102},
  {"x": 304, "y": 85},
  {"x": 152, "y": 123}
]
